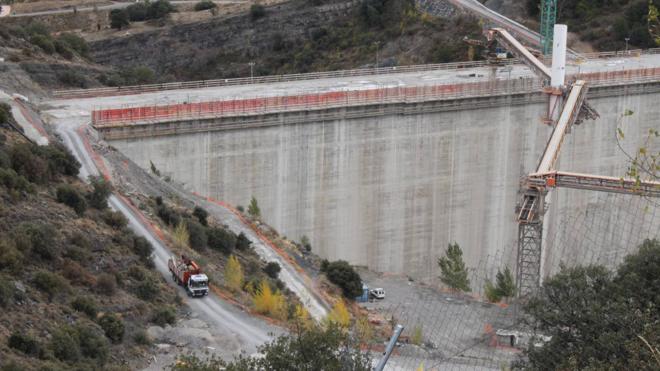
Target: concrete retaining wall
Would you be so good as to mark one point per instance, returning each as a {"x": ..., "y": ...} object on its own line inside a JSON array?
[{"x": 391, "y": 191}]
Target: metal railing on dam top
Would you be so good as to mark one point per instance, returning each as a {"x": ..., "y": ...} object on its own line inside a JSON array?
[
  {"x": 118, "y": 117},
  {"x": 138, "y": 89}
]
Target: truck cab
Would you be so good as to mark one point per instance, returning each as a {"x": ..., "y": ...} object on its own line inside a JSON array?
[{"x": 198, "y": 285}]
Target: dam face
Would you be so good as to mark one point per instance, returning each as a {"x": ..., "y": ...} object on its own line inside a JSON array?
[{"x": 390, "y": 192}]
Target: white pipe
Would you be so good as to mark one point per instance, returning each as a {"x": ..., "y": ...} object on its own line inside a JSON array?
[{"x": 558, "y": 73}]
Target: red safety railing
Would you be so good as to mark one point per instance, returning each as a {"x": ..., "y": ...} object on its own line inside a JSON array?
[{"x": 251, "y": 106}]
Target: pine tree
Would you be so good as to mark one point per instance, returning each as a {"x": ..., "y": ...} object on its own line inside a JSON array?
[
  {"x": 253, "y": 208},
  {"x": 234, "y": 274},
  {"x": 452, "y": 269},
  {"x": 505, "y": 285}
]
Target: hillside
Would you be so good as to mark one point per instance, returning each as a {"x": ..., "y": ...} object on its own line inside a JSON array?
[
  {"x": 293, "y": 37},
  {"x": 77, "y": 288}
]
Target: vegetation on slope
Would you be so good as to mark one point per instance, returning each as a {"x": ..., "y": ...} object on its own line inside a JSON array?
[
  {"x": 605, "y": 23},
  {"x": 77, "y": 288},
  {"x": 600, "y": 319}
]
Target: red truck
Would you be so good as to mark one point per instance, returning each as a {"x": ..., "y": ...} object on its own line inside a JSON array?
[{"x": 186, "y": 273}]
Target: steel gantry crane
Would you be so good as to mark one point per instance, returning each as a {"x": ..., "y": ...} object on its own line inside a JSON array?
[
  {"x": 566, "y": 107},
  {"x": 548, "y": 19}
]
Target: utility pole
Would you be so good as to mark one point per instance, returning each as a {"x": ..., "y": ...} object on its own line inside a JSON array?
[
  {"x": 377, "y": 43},
  {"x": 627, "y": 39},
  {"x": 251, "y": 64}
]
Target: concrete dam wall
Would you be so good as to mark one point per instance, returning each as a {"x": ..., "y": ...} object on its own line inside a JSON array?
[{"x": 390, "y": 192}]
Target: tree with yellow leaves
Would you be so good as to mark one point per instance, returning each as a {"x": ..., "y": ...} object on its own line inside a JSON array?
[
  {"x": 302, "y": 318},
  {"x": 268, "y": 302},
  {"x": 181, "y": 236},
  {"x": 339, "y": 315},
  {"x": 234, "y": 274}
]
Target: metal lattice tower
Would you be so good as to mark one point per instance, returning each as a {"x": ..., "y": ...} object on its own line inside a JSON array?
[{"x": 548, "y": 19}]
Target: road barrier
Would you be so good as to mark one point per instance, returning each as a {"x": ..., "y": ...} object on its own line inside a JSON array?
[
  {"x": 251, "y": 106},
  {"x": 139, "y": 89}
]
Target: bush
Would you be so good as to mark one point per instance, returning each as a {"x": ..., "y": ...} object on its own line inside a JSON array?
[
  {"x": 70, "y": 196},
  {"x": 137, "y": 12},
  {"x": 159, "y": 9},
  {"x": 114, "y": 219},
  {"x": 197, "y": 235},
  {"x": 272, "y": 269},
  {"x": 98, "y": 198},
  {"x": 242, "y": 242},
  {"x": 106, "y": 284},
  {"x": 164, "y": 316},
  {"x": 343, "y": 275},
  {"x": 119, "y": 19},
  {"x": 5, "y": 113},
  {"x": 168, "y": 216},
  {"x": 72, "y": 78},
  {"x": 142, "y": 338},
  {"x": 201, "y": 215},
  {"x": 137, "y": 273},
  {"x": 205, "y": 5},
  {"x": 113, "y": 327},
  {"x": 142, "y": 247},
  {"x": 148, "y": 290},
  {"x": 64, "y": 345},
  {"x": 44, "y": 42},
  {"x": 24, "y": 343},
  {"x": 76, "y": 274},
  {"x": 304, "y": 241},
  {"x": 49, "y": 283},
  {"x": 85, "y": 304},
  {"x": 221, "y": 239},
  {"x": 28, "y": 164},
  {"x": 253, "y": 208},
  {"x": 7, "y": 292},
  {"x": 59, "y": 158},
  {"x": 14, "y": 182},
  {"x": 10, "y": 257},
  {"x": 38, "y": 238},
  {"x": 93, "y": 344},
  {"x": 257, "y": 11},
  {"x": 75, "y": 43}
]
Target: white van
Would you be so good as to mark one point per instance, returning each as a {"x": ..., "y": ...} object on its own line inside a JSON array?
[{"x": 378, "y": 293}]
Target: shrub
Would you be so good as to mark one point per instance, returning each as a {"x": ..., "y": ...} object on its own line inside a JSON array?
[
  {"x": 119, "y": 19},
  {"x": 5, "y": 113},
  {"x": 93, "y": 344},
  {"x": 137, "y": 12},
  {"x": 64, "y": 345},
  {"x": 70, "y": 196},
  {"x": 221, "y": 239},
  {"x": 201, "y": 215},
  {"x": 10, "y": 257},
  {"x": 38, "y": 238},
  {"x": 159, "y": 9},
  {"x": 85, "y": 304},
  {"x": 142, "y": 338},
  {"x": 242, "y": 242},
  {"x": 196, "y": 235},
  {"x": 272, "y": 269},
  {"x": 339, "y": 314},
  {"x": 14, "y": 182},
  {"x": 205, "y": 5},
  {"x": 343, "y": 275},
  {"x": 148, "y": 290},
  {"x": 268, "y": 302},
  {"x": 59, "y": 159},
  {"x": 253, "y": 208},
  {"x": 76, "y": 274},
  {"x": 163, "y": 316},
  {"x": 181, "y": 236},
  {"x": 72, "y": 78},
  {"x": 6, "y": 292},
  {"x": 44, "y": 42},
  {"x": 101, "y": 189},
  {"x": 233, "y": 274},
  {"x": 114, "y": 219},
  {"x": 142, "y": 247},
  {"x": 304, "y": 241},
  {"x": 49, "y": 283},
  {"x": 28, "y": 164},
  {"x": 75, "y": 42},
  {"x": 113, "y": 327},
  {"x": 168, "y": 216},
  {"x": 106, "y": 284},
  {"x": 24, "y": 343},
  {"x": 257, "y": 11}
]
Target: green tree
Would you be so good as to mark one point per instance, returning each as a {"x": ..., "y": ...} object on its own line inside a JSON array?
[
  {"x": 343, "y": 275},
  {"x": 221, "y": 239},
  {"x": 452, "y": 269},
  {"x": 118, "y": 19},
  {"x": 101, "y": 189},
  {"x": 113, "y": 326},
  {"x": 201, "y": 215},
  {"x": 305, "y": 348},
  {"x": 70, "y": 196},
  {"x": 597, "y": 318},
  {"x": 505, "y": 284},
  {"x": 253, "y": 208}
]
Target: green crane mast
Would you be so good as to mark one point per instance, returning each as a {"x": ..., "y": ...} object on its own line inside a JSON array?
[{"x": 548, "y": 18}]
